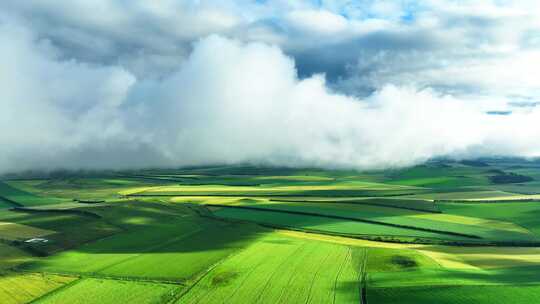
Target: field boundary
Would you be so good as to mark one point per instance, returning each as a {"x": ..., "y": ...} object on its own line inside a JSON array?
[
  {"x": 11, "y": 202},
  {"x": 93, "y": 275},
  {"x": 481, "y": 201},
  {"x": 319, "y": 194},
  {"x": 363, "y": 279},
  {"x": 355, "y": 202},
  {"x": 393, "y": 239},
  {"x": 57, "y": 290},
  {"x": 350, "y": 219},
  {"x": 56, "y": 210}
]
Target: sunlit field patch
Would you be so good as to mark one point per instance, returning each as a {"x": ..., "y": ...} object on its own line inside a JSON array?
[
  {"x": 13, "y": 231},
  {"x": 111, "y": 292},
  {"x": 23, "y": 288},
  {"x": 483, "y": 257}
]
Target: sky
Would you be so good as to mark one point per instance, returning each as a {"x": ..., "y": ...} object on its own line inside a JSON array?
[{"x": 358, "y": 84}]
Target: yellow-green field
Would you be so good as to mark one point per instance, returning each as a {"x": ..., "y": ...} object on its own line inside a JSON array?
[{"x": 23, "y": 288}]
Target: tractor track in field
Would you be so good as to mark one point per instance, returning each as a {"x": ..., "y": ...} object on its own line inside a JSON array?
[
  {"x": 275, "y": 272},
  {"x": 338, "y": 274},
  {"x": 363, "y": 279},
  {"x": 312, "y": 283}
]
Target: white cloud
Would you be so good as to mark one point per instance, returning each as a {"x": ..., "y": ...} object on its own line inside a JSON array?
[
  {"x": 143, "y": 84},
  {"x": 243, "y": 103},
  {"x": 50, "y": 107},
  {"x": 316, "y": 21}
]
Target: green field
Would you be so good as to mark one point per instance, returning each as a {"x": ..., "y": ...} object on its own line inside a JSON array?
[
  {"x": 63, "y": 230},
  {"x": 275, "y": 270},
  {"x": 23, "y": 288},
  {"x": 440, "y": 224},
  {"x": 243, "y": 234},
  {"x": 186, "y": 257},
  {"x": 111, "y": 292},
  {"x": 522, "y": 213},
  {"x": 323, "y": 224},
  {"x": 4, "y": 204},
  {"x": 457, "y": 294},
  {"x": 398, "y": 203},
  {"x": 14, "y": 196}
]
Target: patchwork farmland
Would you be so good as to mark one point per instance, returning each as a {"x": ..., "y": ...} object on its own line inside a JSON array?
[{"x": 243, "y": 234}]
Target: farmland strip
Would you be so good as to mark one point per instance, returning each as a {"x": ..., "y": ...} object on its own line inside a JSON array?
[
  {"x": 65, "y": 286},
  {"x": 355, "y": 202},
  {"x": 351, "y": 219},
  {"x": 11, "y": 202},
  {"x": 312, "y": 193},
  {"x": 55, "y": 210}
]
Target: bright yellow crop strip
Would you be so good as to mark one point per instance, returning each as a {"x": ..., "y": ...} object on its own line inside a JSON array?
[
  {"x": 209, "y": 200},
  {"x": 139, "y": 189},
  {"x": 507, "y": 198},
  {"x": 206, "y": 188},
  {"x": 295, "y": 177},
  {"x": 448, "y": 260},
  {"x": 23, "y": 288}
]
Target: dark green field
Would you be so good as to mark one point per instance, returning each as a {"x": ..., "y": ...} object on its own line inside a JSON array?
[{"x": 442, "y": 232}]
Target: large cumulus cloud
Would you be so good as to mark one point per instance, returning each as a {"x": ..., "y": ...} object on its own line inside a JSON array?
[
  {"x": 230, "y": 101},
  {"x": 363, "y": 84}
]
